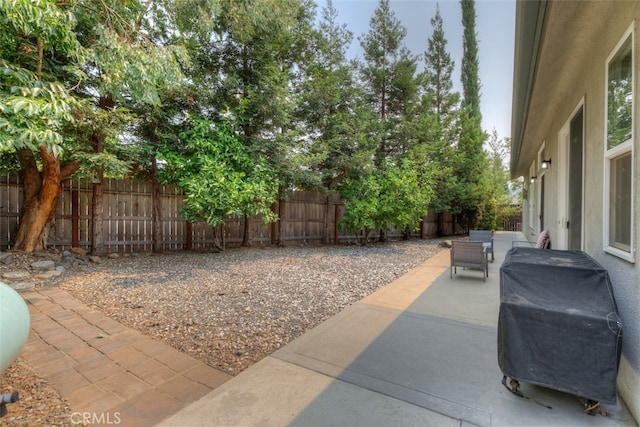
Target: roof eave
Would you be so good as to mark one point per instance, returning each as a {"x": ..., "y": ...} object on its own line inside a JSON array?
[{"x": 530, "y": 17}]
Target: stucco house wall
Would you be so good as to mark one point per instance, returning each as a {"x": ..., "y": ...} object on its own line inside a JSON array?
[{"x": 568, "y": 45}]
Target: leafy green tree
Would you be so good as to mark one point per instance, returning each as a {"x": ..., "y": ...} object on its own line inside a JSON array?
[
  {"x": 497, "y": 193},
  {"x": 218, "y": 176},
  {"x": 67, "y": 71},
  {"x": 498, "y": 151},
  {"x": 247, "y": 66},
  {"x": 360, "y": 197},
  {"x": 404, "y": 196},
  {"x": 36, "y": 105},
  {"x": 393, "y": 196}
]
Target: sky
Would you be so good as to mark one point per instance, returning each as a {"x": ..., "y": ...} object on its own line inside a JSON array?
[{"x": 495, "y": 25}]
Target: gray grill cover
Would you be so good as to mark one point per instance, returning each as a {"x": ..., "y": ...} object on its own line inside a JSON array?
[{"x": 558, "y": 325}]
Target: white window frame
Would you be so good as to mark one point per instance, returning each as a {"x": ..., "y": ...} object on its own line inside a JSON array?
[{"x": 615, "y": 152}]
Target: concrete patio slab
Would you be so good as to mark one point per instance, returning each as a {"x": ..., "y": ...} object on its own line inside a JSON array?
[{"x": 422, "y": 350}]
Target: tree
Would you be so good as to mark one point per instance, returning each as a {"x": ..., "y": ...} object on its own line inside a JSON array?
[
  {"x": 393, "y": 196},
  {"x": 498, "y": 151},
  {"x": 53, "y": 117},
  {"x": 331, "y": 116},
  {"x": 248, "y": 63},
  {"x": 217, "y": 175},
  {"x": 388, "y": 73},
  {"x": 440, "y": 107},
  {"x": 36, "y": 106},
  {"x": 471, "y": 159},
  {"x": 470, "y": 65}
]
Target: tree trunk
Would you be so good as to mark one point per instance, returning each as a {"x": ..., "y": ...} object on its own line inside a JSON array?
[
  {"x": 246, "y": 238},
  {"x": 97, "y": 239},
  {"x": 325, "y": 232},
  {"x": 157, "y": 225},
  {"x": 41, "y": 192},
  {"x": 218, "y": 238},
  {"x": 440, "y": 227},
  {"x": 281, "y": 208}
]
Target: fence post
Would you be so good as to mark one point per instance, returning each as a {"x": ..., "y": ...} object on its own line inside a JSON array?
[
  {"x": 325, "y": 223},
  {"x": 281, "y": 208},
  {"x": 75, "y": 222},
  {"x": 188, "y": 245},
  {"x": 336, "y": 235},
  {"x": 274, "y": 229},
  {"x": 156, "y": 224}
]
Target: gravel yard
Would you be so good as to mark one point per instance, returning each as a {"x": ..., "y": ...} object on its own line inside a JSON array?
[
  {"x": 232, "y": 309},
  {"x": 227, "y": 309}
]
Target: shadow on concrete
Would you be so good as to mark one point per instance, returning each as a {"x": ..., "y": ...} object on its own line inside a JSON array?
[{"x": 439, "y": 353}]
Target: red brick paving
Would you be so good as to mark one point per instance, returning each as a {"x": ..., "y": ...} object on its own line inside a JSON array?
[{"x": 106, "y": 371}]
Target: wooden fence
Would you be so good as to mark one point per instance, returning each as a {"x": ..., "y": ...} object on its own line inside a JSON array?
[{"x": 130, "y": 225}]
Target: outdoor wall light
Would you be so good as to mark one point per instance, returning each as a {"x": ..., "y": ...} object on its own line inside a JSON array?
[
  {"x": 546, "y": 164},
  {"x": 533, "y": 179}
]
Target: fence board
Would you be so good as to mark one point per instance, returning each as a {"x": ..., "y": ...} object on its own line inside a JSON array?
[{"x": 11, "y": 199}]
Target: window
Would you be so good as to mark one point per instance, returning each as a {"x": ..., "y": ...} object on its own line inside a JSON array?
[
  {"x": 618, "y": 228},
  {"x": 620, "y": 207}
]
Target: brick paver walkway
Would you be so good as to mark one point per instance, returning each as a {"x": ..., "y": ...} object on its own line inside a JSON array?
[{"x": 104, "y": 368}]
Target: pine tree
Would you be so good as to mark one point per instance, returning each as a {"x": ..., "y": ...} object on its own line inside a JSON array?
[
  {"x": 389, "y": 77},
  {"x": 331, "y": 115},
  {"x": 440, "y": 107},
  {"x": 388, "y": 73},
  {"x": 329, "y": 103}
]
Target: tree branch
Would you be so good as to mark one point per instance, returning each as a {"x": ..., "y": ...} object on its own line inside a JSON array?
[
  {"x": 30, "y": 173},
  {"x": 68, "y": 169},
  {"x": 40, "y": 56}
]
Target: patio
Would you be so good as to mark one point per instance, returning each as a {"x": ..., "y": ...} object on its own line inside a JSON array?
[{"x": 420, "y": 351}]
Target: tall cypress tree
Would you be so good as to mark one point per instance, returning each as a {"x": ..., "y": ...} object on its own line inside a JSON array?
[
  {"x": 472, "y": 160},
  {"x": 469, "y": 72}
]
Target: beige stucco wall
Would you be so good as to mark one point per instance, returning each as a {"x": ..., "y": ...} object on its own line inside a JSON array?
[{"x": 578, "y": 38}]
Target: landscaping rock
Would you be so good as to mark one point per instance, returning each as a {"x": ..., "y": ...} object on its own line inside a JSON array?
[
  {"x": 16, "y": 275},
  {"x": 6, "y": 258},
  {"x": 43, "y": 265},
  {"x": 78, "y": 251},
  {"x": 22, "y": 286},
  {"x": 48, "y": 274}
]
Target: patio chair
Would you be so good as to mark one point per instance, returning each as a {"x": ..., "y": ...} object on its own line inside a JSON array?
[
  {"x": 544, "y": 241},
  {"x": 486, "y": 237},
  {"x": 468, "y": 255}
]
